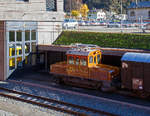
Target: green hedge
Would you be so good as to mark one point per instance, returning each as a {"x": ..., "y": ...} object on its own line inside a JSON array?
[{"x": 114, "y": 40}]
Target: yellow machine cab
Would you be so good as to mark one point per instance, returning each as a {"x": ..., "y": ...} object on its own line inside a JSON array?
[{"x": 84, "y": 55}]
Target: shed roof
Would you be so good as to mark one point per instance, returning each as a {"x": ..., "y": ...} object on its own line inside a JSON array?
[
  {"x": 136, "y": 57},
  {"x": 144, "y": 4}
]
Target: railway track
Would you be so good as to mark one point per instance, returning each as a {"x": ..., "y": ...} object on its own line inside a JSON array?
[{"x": 52, "y": 104}]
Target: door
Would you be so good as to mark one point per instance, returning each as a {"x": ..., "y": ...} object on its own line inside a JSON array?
[
  {"x": 21, "y": 41},
  {"x": 83, "y": 67}
]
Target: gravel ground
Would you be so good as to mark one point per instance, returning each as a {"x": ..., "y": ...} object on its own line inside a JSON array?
[
  {"x": 10, "y": 107},
  {"x": 97, "y": 103},
  {"x": 4, "y": 113}
]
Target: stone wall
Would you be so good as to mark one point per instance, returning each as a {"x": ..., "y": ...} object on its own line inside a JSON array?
[
  {"x": 48, "y": 32},
  {"x": 34, "y": 10}
]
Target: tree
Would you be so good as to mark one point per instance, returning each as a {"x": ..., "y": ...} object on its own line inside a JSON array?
[
  {"x": 84, "y": 10},
  {"x": 75, "y": 13},
  {"x": 70, "y": 5}
]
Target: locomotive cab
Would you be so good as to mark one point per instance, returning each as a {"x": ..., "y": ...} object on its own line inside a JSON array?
[
  {"x": 80, "y": 59},
  {"x": 84, "y": 56},
  {"x": 94, "y": 58}
]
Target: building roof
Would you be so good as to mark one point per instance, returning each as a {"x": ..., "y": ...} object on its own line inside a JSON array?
[
  {"x": 105, "y": 51},
  {"x": 144, "y": 4},
  {"x": 136, "y": 57},
  {"x": 82, "y": 49}
]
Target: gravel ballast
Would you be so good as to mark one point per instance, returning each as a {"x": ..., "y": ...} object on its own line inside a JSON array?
[
  {"x": 10, "y": 107},
  {"x": 5, "y": 113}
]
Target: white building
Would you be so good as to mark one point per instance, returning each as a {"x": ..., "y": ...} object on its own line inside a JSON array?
[
  {"x": 23, "y": 25},
  {"x": 97, "y": 15},
  {"x": 101, "y": 15},
  {"x": 139, "y": 11}
]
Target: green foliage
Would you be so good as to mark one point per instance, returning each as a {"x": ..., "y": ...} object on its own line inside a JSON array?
[
  {"x": 111, "y": 5},
  {"x": 114, "y": 40}
]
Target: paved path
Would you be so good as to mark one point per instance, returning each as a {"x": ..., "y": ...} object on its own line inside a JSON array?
[{"x": 112, "y": 30}]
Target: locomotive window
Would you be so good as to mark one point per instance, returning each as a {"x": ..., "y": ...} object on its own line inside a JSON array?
[
  {"x": 83, "y": 62},
  {"x": 71, "y": 60},
  {"x": 98, "y": 59},
  {"x": 91, "y": 59},
  {"x": 94, "y": 59},
  {"x": 77, "y": 61}
]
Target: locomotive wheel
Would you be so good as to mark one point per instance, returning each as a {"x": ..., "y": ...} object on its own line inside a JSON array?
[
  {"x": 98, "y": 86},
  {"x": 144, "y": 95},
  {"x": 57, "y": 80}
]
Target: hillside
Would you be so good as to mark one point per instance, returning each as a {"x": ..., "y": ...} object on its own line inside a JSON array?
[
  {"x": 113, "y": 40},
  {"x": 113, "y": 5}
]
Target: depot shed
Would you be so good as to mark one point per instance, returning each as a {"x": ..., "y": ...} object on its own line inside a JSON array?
[{"x": 135, "y": 72}]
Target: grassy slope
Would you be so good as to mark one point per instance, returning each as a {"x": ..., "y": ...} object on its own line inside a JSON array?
[{"x": 115, "y": 40}]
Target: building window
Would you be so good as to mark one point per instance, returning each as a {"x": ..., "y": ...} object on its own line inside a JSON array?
[
  {"x": 27, "y": 47},
  {"x": 18, "y": 49},
  {"x": 19, "y": 36},
  {"x": 12, "y": 36},
  {"x": 11, "y": 63},
  {"x": 12, "y": 50},
  {"x": 33, "y": 44},
  {"x": 149, "y": 14},
  {"x": 33, "y": 35},
  {"x": 23, "y": 0},
  {"x": 27, "y": 35},
  {"x": 132, "y": 13},
  {"x": 51, "y": 5}
]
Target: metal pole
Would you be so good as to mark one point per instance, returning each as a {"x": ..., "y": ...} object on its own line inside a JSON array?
[
  {"x": 136, "y": 11},
  {"x": 70, "y": 7},
  {"x": 121, "y": 16},
  {"x": 54, "y": 19}
]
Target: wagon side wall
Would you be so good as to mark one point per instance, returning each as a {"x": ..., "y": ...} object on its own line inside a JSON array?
[
  {"x": 135, "y": 70},
  {"x": 126, "y": 74},
  {"x": 147, "y": 77}
]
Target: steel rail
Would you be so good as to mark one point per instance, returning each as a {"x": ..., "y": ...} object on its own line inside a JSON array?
[
  {"x": 54, "y": 101},
  {"x": 42, "y": 105}
]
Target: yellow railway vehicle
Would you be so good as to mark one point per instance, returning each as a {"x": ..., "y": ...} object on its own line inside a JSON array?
[
  {"x": 83, "y": 68},
  {"x": 18, "y": 52}
]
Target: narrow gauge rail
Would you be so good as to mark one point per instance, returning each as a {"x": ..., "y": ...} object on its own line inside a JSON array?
[{"x": 7, "y": 93}]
